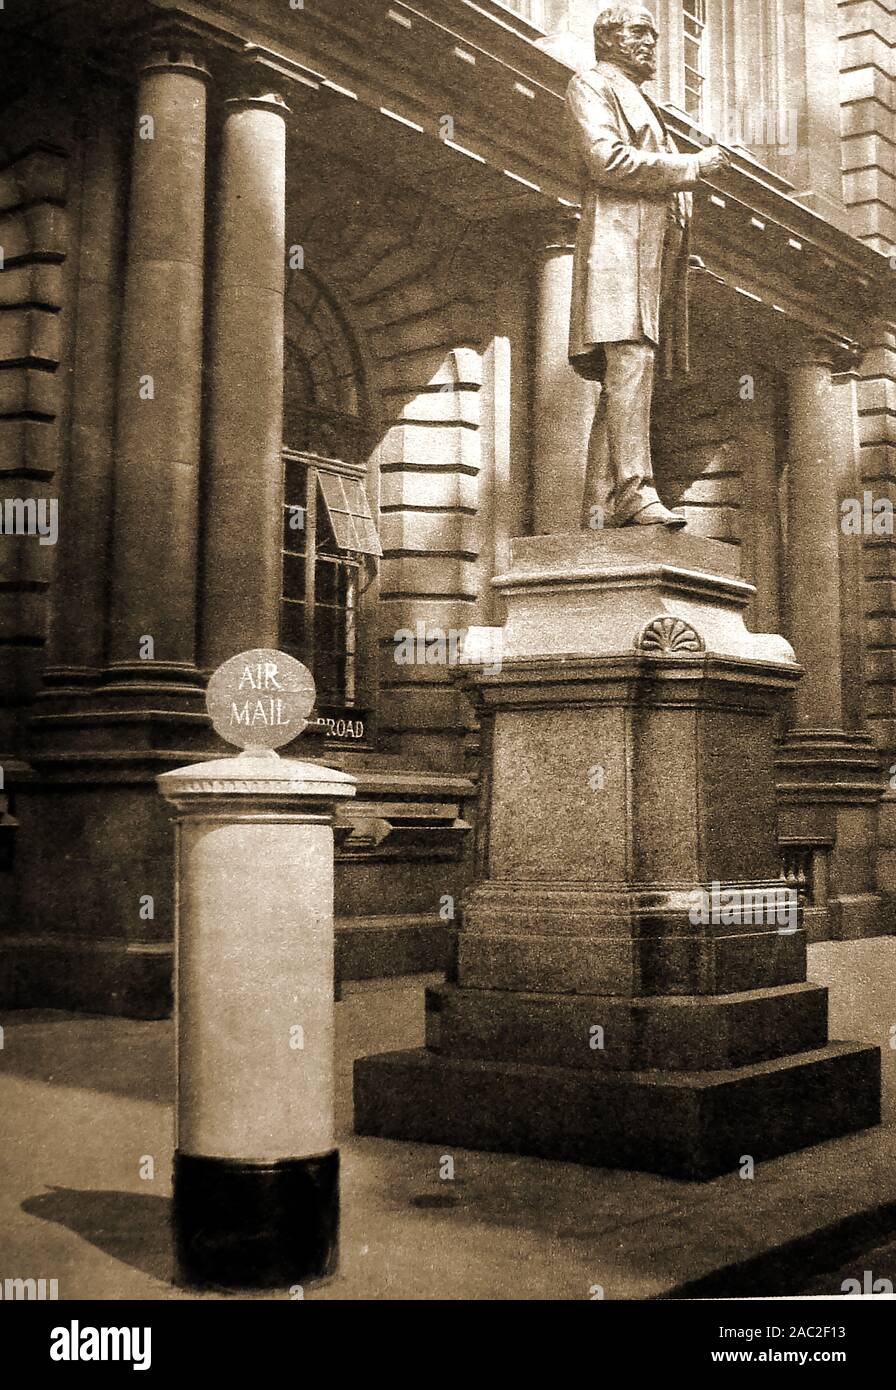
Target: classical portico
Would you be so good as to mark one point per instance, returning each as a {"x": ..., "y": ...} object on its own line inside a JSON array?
[{"x": 301, "y": 322}]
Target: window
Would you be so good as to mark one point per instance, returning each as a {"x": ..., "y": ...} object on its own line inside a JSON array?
[
  {"x": 329, "y": 538},
  {"x": 694, "y": 12}
]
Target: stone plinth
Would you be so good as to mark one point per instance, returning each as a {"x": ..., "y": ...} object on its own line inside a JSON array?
[
  {"x": 630, "y": 983},
  {"x": 594, "y": 593}
]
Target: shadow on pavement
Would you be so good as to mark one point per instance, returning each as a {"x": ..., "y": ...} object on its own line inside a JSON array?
[{"x": 132, "y": 1227}]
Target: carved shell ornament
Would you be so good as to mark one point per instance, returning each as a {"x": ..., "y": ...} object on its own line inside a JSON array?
[{"x": 670, "y": 637}]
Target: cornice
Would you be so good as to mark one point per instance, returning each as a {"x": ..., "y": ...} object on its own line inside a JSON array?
[{"x": 480, "y": 64}]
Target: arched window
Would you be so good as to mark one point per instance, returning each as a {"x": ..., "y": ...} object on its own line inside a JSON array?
[{"x": 330, "y": 542}]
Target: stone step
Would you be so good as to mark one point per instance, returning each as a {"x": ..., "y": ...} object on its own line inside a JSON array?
[
  {"x": 690, "y": 1125},
  {"x": 696, "y": 1033},
  {"x": 623, "y": 966},
  {"x": 369, "y": 948}
]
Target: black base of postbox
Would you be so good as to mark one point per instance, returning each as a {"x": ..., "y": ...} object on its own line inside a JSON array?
[{"x": 253, "y": 1225}]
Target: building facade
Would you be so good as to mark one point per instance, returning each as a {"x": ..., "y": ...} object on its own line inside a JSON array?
[{"x": 283, "y": 329}]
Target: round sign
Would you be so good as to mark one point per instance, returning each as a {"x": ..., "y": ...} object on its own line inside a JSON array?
[{"x": 261, "y": 699}]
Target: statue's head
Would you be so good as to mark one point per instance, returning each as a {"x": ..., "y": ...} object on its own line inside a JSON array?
[{"x": 627, "y": 35}]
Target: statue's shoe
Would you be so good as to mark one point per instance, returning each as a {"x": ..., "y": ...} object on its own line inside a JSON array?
[{"x": 657, "y": 515}]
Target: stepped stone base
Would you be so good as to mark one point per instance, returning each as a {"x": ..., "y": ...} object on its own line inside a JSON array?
[
  {"x": 690, "y": 1125},
  {"x": 616, "y": 999},
  {"x": 597, "y": 1033}
]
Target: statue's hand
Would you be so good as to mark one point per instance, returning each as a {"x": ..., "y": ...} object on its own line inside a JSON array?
[{"x": 711, "y": 160}]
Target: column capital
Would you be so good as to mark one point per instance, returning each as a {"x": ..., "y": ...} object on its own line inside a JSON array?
[
  {"x": 174, "y": 41},
  {"x": 559, "y": 229},
  {"x": 262, "y": 101},
  {"x": 175, "y": 50},
  {"x": 819, "y": 350},
  {"x": 172, "y": 44}
]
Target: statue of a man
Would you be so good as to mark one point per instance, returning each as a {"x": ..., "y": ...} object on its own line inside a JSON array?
[{"x": 630, "y": 289}]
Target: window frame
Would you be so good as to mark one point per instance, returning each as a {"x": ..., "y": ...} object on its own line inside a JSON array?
[
  {"x": 695, "y": 33},
  {"x": 362, "y": 692}
]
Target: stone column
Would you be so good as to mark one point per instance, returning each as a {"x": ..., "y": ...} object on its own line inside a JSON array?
[
  {"x": 244, "y": 496},
  {"x": 813, "y": 540},
  {"x": 154, "y": 554},
  {"x": 829, "y": 783},
  {"x": 77, "y": 625},
  {"x": 563, "y": 403},
  {"x": 852, "y": 561}
]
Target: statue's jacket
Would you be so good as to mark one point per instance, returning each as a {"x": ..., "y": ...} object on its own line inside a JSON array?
[{"x": 633, "y": 243}]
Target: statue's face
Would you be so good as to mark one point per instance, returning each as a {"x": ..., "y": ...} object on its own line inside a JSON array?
[{"x": 636, "y": 46}]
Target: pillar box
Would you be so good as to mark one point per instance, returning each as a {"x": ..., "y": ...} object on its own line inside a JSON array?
[{"x": 256, "y": 1169}]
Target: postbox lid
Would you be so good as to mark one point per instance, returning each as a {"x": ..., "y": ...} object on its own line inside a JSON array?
[{"x": 255, "y": 773}]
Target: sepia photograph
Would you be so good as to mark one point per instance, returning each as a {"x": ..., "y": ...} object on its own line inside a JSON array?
[{"x": 447, "y": 671}]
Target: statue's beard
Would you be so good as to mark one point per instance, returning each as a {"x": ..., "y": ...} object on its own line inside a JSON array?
[{"x": 639, "y": 63}]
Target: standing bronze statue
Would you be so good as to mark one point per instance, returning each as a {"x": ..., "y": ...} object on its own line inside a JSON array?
[{"x": 630, "y": 290}]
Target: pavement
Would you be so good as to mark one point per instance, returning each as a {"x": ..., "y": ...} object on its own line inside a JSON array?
[{"x": 86, "y": 1157}]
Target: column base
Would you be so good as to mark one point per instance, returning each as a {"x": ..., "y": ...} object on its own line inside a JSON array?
[
  {"x": 159, "y": 684},
  {"x": 254, "y": 1225},
  {"x": 688, "y": 1125},
  {"x": 829, "y": 789}
]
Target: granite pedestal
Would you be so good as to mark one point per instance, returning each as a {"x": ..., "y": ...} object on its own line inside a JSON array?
[{"x": 630, "y": 983}]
